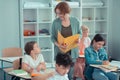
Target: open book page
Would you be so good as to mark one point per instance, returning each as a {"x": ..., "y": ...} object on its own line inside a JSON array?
[
  {"x": 115, "y": 63},
  {"x": 106, "y": 68},
  {"x": 69, "y": 41},
  {"x": 19, "y": 72}
]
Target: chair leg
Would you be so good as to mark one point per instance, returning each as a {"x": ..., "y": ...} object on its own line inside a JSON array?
[{"x": 4, "y": 76}]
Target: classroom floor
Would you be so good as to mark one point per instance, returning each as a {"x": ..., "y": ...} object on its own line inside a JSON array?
[{"x": 2, "y": 77}]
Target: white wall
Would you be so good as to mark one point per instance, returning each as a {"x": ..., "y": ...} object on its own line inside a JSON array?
[
  {"x": 115, "y": 27},
  {"x": 9, "y": 24}
]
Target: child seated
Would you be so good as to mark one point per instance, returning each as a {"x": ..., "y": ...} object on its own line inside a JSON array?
[
  {"x": 33, "y": 60},
  {"x": 62, "y": 66}
]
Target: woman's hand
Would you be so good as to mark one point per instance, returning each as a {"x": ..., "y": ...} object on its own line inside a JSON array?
[
  {"x": 61, "y": 46},
  {"x": 77, "y": 41}
]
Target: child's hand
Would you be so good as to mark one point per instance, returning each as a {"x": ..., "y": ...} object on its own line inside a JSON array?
[
  {"x": 50, "y": 74},
  {"x": 105, "y": 62},
  {"x": 41, "y": 66},
  {"x": 27, "y": 68}
]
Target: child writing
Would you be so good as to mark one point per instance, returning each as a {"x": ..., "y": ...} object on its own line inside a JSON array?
[
  {"x": 62, "y": 67},
  {"x": 80, "y": 62},
  {"x": 96, "y": 54},
  {"x": 33, "y": 61}
]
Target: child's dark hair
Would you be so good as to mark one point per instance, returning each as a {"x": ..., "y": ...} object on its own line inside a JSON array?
[
  {"x": 29, "y": 46},
  {"x": 97, "y": 38},
  {"x": 63, "y": 59}
]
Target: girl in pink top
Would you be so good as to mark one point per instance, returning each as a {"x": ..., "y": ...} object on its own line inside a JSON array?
[
  {"x": 80, "y": 62},
  {"x": 85, "y": 40}
]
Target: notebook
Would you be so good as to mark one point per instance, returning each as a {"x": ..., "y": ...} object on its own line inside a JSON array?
[
  {"x": 71, "y": 41},
  {"x": 19, "y": 72}
]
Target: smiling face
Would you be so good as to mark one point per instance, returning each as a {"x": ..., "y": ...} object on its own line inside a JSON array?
[
  {"x": 85, "y": 33},
  {"x": 98, "y": 45},
  {"x": 62, "y": 10},
  {"x": 60, "y": 15},
  {"x": 62, "y": 70}
]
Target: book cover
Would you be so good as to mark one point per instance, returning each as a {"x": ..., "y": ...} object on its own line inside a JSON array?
[{"x": 69, "y": 41}]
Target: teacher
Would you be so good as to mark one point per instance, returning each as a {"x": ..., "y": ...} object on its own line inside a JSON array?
[{"x": 67, "y": 26}]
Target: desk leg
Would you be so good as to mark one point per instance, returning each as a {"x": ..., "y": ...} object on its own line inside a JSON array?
[
  {"x": 118, "y": 76},
  {"x": 3, "y": 70},
  {"x": 4, "y": 76}
]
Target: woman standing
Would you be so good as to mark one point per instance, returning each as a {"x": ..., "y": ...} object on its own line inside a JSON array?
[{"x": 67, "y": 26}]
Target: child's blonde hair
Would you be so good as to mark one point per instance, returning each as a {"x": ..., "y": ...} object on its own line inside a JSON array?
[{"x": 84, "y": 28}]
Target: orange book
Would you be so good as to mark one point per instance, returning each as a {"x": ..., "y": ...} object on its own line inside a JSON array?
[
  {"x": 35, "y": 74},
  {"x": 69, "y": 41}
]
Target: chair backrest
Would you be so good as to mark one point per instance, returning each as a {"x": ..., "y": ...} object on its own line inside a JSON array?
[{"x": 11, "y": 52}]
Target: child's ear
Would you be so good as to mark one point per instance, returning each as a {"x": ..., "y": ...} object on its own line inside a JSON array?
[{"x": 56, "y": 65}]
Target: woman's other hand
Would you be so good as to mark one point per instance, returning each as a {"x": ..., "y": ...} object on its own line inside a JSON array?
[{"x": 61, "y": 46}]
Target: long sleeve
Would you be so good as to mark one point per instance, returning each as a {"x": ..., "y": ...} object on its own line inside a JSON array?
[
  {"x": 53, "y": 36},
  {"x": 90, "y": 58},
  {"x": 93, "y": 57}
]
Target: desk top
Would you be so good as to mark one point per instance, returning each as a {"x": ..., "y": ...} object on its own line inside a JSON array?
[
  {"x": 9, "y": 59},
  {"x": 20, "y": 76},
  {"x": 27, "y": 76},
  {"x": 113, "y": 66}
]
